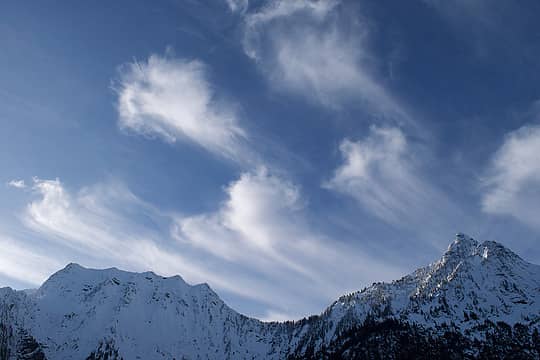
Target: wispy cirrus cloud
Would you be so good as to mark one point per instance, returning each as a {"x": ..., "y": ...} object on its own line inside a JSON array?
[
  {"x": 173, "y": 99},
  {"x": 381, "y": 173},
  {"x": 303, "y": 48},
  {"x": 19, "y": 184},
  {"x": 109, "y": 225},
  {"x": 257, "y": 203},
  {"x": 261, "y": 216},
  {"x": 278, "y": 9},
  {"x": 238, "y": 5},
  {"x": 512, "y": 184}
]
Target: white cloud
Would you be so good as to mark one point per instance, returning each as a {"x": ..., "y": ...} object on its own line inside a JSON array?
[
  {"x": 513, "y": 184},
  {"x": 173, "y": 99},
  {"x": 19, "y": 184},
  {"x": 276, "y": 9},
  {"x": 105, "y": 223},
  {"x": 238, "y": 5},
  {"x": 381, "y": 174},
  {"x": 82, "y": 221},
  {"x": 258, "y": 217},
  {"x": 326, "y": 66},
  {"x": 23, "y": 263},
  {"x": 301, "y": 47}
]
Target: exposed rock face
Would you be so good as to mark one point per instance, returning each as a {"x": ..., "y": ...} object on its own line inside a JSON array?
[{"x": 477, "y": 301}]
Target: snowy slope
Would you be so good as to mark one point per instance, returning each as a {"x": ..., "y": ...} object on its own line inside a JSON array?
[{"x": 78, "y": 312}]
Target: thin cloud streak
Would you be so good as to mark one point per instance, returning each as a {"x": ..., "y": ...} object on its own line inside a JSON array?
[
  {"x": 18, "y": 184},
  {"x": 238, "y": 6}
]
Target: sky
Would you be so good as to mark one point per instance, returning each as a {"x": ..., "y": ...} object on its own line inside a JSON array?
[{"x": 284, "y": 152}]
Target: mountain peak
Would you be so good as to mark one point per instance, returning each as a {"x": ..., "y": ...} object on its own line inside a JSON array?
[
  {"x": 462, "y": 246},
  {"x": 72, "y": 267},
  {"x": 462, "y": 239}
]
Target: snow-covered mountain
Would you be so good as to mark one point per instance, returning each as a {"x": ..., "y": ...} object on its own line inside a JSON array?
[
  {"x": 78, "y": 312},
  {"x": 472, "y": 285},
  {"x": 470, "y": 295}
]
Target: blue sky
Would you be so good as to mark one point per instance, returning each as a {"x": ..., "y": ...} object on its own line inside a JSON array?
[{"x": 285, "y": 152}]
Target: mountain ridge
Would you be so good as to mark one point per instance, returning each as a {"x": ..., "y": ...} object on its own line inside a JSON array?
[{"x": 88, "y": 313}]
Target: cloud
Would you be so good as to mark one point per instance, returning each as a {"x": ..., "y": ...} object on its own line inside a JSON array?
[
  {"x": 238, "y": 5},
  {"x": 18, "y": 184},
  {"x": 82, "y": 221},
  {"x": 277, "y": 9},
  {"x": 513, "y": 181},
  {"x": 260, "y": 214},
  {"x": 173, "y": 99},
  {"x": 381, "y": 174},
  {"x": 303, "y": 48},
  {"x": 25, "y": 264},
  {"x": 108, "y": 225}
]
